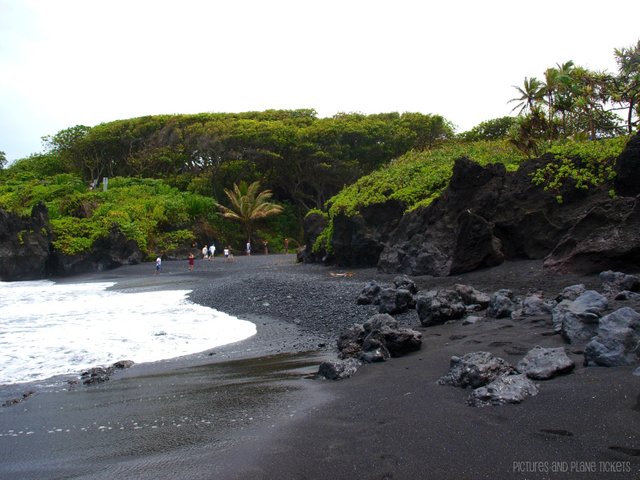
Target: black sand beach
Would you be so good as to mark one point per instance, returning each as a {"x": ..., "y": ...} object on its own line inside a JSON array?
[{"x": 250, "y": 411}]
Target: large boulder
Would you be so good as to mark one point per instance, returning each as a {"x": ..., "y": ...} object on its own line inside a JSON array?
[
  {"x": 542, "y": 363},
  {"x": 475, "y": 370},
  {"x": 377, "y": 339},
  {"x": 439, "y": 306},
  {"x": 24, "y": 245},
  {"x": 471, "y": 296},
  {"x": 617, "y": 341},
  {"x": 534, "y": 305},
  {"x": 577, "y": 321},
  {"x": 501, "y": 304},
  {"x": 504, "y": 389},
  {"x": 338, "y": 369},
  {"x": 391, "y": 300},
  {"x": 370, "y": 294}
]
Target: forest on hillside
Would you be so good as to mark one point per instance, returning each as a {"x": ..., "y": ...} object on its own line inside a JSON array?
[{"x": 168, "y": 174}]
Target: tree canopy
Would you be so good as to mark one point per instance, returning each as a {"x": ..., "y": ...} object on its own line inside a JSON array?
[
  {"x": 575, "y": 102},
  {"x": 300, "y": 157}
]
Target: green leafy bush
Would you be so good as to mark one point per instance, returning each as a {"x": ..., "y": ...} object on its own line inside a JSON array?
[{"x": 586, "y": 164}]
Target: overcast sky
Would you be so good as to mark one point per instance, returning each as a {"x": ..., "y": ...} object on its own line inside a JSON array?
[{"x": 71, "y": 62}]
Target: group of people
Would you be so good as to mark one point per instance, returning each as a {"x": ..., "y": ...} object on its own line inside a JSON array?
[{"x": 209, "y": 251}]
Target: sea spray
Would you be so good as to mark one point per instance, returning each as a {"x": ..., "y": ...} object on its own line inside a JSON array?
[{"x": 49, "y": 329}]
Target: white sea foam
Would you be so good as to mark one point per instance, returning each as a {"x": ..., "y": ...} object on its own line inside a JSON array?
[{"x": 49, "y": 329}]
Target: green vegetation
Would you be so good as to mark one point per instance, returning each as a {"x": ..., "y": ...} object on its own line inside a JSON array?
[
  {"x": 168, "y": 174},
  {"x": 301, "y": 158},
  {"x": 585, "y": 164},
  {"x": 179, "y": 180},
  {"x": 573, "y": 102}
]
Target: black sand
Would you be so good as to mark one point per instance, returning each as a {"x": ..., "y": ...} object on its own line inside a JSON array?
[{"x": 248, "y": 410}]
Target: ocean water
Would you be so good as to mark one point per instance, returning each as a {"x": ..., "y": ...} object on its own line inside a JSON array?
[{"x": 49, "y": 329}]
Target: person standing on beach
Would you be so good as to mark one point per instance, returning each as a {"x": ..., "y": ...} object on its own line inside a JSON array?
[
  {"x": 191, "y": 262},
  {"x": 205, "y": 252},
  {"x": 248, "y": 247},
  {"x": 226, "y": 254},
  {"x": 212, "y": 251},
  {"x": 286, "y": 245},
  {"x": 266, "y": 247},
  {"x": 158, "y": 265}
]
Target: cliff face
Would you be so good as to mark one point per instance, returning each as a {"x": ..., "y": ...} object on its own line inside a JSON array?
[
  {"x": 24, "y": 245},
  {"x": 487, "y": 215},
  {"x": 26, "y": 252},
  {"x": 483, "y": 217}
]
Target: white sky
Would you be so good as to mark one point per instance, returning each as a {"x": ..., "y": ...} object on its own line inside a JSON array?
[{"x": 70, "y": 62}]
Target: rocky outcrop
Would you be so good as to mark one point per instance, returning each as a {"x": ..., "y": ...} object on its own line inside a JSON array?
[
  {"x": 105, "y": 254},
  {"x": 487, "y": 214},
  {"x": 27, "y": 253},
  {"x": 627, "y": 168},
  {"x": 378, "y": 339},
  {"x": 358, "y": 240},
  {"x": 483, "y": 217},
  {"x": 313, "y": 225},
  {"x": 24, "y": 245},
  {"x": 608, "y": 236}
]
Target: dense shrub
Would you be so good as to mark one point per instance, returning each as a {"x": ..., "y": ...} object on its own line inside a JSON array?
[{"x": 586, "y": 164}]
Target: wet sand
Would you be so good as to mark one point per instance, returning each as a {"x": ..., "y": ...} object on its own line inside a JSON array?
[{"x": 249, "y": 410}]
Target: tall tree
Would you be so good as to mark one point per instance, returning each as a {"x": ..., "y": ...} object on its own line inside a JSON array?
[
  {"x": 248, "y": 204},
  {"x": 3, "y": 160}
]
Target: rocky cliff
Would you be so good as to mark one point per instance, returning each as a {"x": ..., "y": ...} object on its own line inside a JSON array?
[
  {"x": 24, "y": 245},
  {"x": 487, "y": 215},
  {"x": 26, "y": 251}
]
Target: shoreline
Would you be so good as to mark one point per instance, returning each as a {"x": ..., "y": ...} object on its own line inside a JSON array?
[{"x": 247, "y": 411}]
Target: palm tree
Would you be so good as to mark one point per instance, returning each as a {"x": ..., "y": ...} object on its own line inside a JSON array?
[
  {"x": 550, "y": 89},
  {"x": 248, "y": 204},
  {"x": 565, "y": 92},
  {"x": 531, "y": 93}
]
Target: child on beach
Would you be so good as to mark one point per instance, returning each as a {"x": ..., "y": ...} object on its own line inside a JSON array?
[
  {"x": 191, "y": 262},
  {"x": 205, "y": 252},
  {"x": 158, "y": 265}
]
